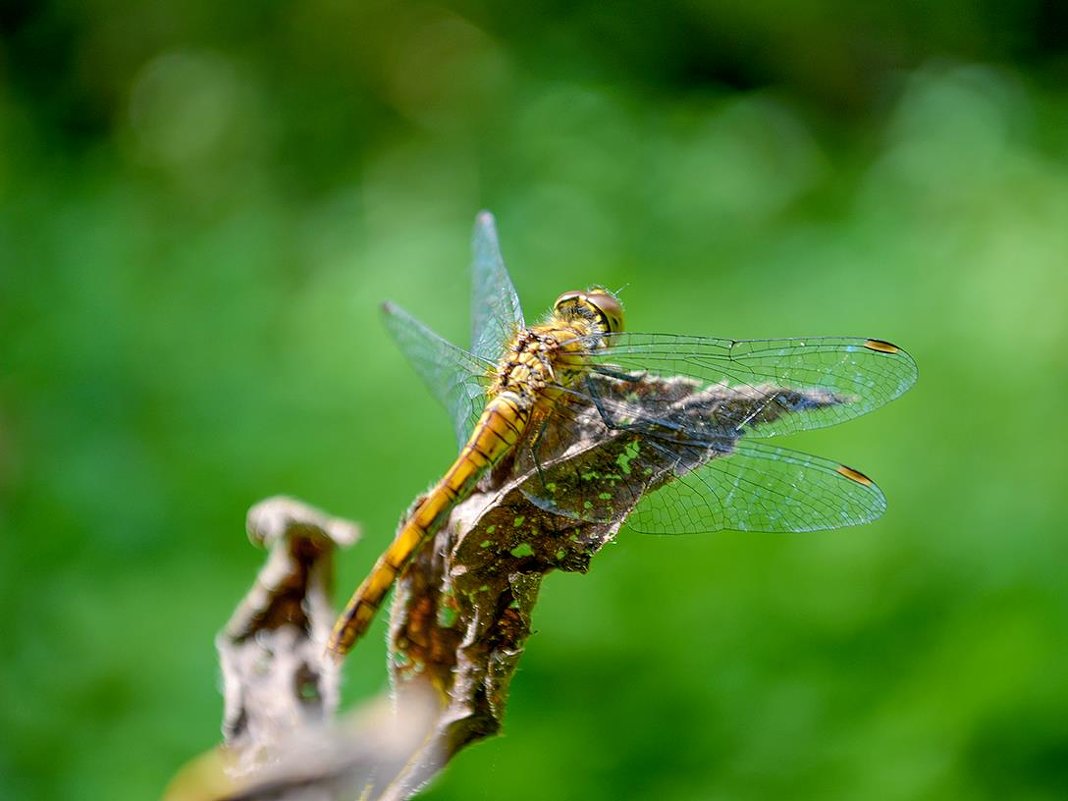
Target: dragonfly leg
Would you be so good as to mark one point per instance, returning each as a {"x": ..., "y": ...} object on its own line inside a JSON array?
[
  {"x": 534, "y": 451},
  {"x": 602, "y": 409},
  {"x": 662, "y": 428},
  {"x": 633, "y": 378}
]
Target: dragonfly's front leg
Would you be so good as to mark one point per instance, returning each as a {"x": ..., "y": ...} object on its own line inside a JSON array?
[
  {"x": 533, "y": 448},
  {"x": 632, "y": 378},
  {"x": 612, "y": 419}
]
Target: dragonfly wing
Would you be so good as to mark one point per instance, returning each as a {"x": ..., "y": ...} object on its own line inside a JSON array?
[
  {"x": 803, "y": 383},
  {"x": 456, "y": 378},
  {"x": 495, "y": 311},
  {"x": 598, "y": 455},
  {"x": 751, "y": 486}
]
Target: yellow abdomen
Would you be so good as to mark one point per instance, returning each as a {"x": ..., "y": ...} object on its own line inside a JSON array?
[{"x": 498, "y": 429}]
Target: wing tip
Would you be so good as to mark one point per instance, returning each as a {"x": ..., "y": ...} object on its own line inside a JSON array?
[
  {"x": 485, "y": 227},
  {"x": 875, "y": 500},
  {"x": 484, "y": 241},
  {"x": 907, "y": 367},
  {"x": 393, "y": 314}
]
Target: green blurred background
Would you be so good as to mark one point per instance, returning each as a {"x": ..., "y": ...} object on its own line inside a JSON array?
[{"x": 202, "y": 204}]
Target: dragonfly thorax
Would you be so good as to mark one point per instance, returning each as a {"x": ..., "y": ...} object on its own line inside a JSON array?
[
  {"x": 549, "y": 355},
  {"x": 528, "y": 366}
]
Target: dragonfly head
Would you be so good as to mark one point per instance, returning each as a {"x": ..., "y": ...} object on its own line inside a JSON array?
[{"x": 596, "y": 304}]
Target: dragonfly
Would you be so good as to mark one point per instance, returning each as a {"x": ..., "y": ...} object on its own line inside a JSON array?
[{"x": 693, "y": 412}]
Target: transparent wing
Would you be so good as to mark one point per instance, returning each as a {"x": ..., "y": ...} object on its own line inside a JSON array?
[
  {"x": 757, "y": 487},
  {"x": 455, "y": 377},
  {"x": 804, "y": 383},
  {"x": 664, "y": 487},
  {"x": 597, "y": 454},
  {"x": 495, "y": 311}
]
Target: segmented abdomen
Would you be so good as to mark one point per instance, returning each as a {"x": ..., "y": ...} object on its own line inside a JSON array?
[{"x": 498, "y": 429}]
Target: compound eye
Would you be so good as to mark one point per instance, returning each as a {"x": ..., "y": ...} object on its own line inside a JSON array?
[
  {"x": 611, "y": 310},
  {"x": 567, "y": 299},
  {"x": 595, "y": 303}
]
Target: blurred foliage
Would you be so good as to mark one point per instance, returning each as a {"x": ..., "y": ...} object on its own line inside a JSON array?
[{"x": 201, "y": 205}]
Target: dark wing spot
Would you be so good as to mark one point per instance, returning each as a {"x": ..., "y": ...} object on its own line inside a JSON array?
[
  {"x": 854, "y": 475},
  {"x": 881, "y": 346}
]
